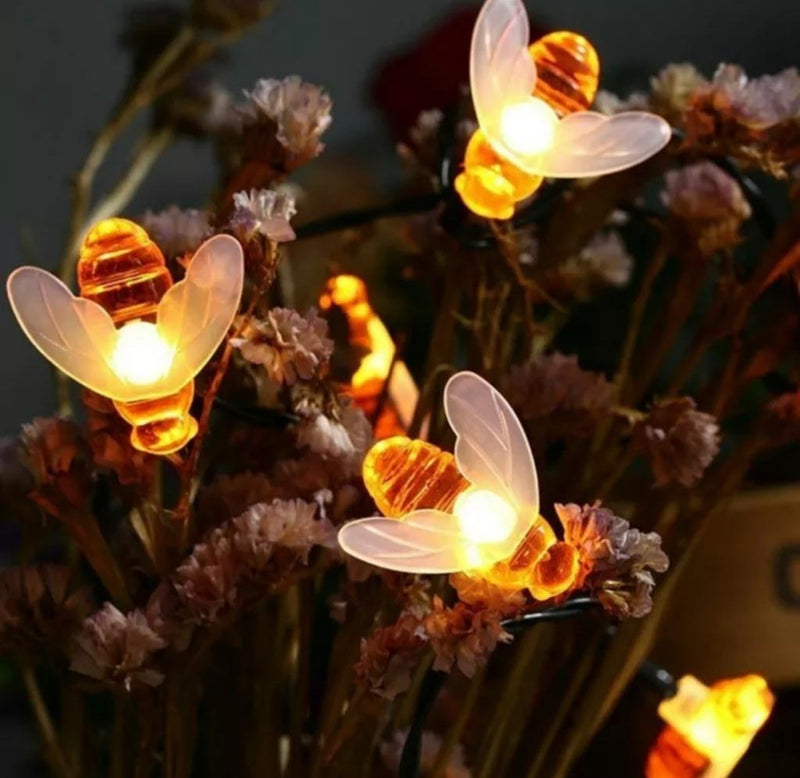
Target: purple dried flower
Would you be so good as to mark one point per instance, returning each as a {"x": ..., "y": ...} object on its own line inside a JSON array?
[
  {"x": 672, "y": 90},
  {"x": 616, "y": 560},
  {"x": 758, "y": 102},
  {"x": 481, "y": 593},
  {"x": 263, "y": 211},
  {"x": 554, "y": 390},
  {"x": 207, "y": 581},
  {"x": 708, "y": 204},
  {"x": 462, "y": 636},
  {"x": 756, "y": 120},
  {"x": 300, "y": 111},
  {"x": 288, "y": 523},
  {"x": 176, "y": 231},
  {"x": 679, "y": 441},
  {"x": 603, "y": 261},
  {"x": 291, "y": 347},
  {"x": 390, "y": 655},
  {"x": 114, "y": 646},
  {"x": 38, "y": 609}
]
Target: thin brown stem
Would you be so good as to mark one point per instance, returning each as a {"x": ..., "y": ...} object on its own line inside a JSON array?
[{"x": 53, "y": 751}]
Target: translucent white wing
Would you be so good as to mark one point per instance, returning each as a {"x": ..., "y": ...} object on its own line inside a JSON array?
[
  {"x": 491, "y": 450},
  {"x": 591, "y": 144},
  {"x": 501, "y": 69},
  {"x": 76, "y": 335},
  {"x": 424, "y": 541},
  {"x": 195, "y": 314}
]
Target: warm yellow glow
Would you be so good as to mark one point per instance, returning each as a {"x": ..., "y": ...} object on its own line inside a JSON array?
[
  {"x": 528, "y": 128},
  {"x": 715, "y": 723},
  {"x": 141, "y": 356},
  {"x": 483, "y": 516},
  {"x": 369, "y": 333}
]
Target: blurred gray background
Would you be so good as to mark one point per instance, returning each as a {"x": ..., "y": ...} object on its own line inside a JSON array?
[{"x": 62, "y": 70}]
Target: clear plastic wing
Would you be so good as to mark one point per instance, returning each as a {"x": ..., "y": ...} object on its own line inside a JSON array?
[
  {"x": 501, "y": 69},
  {"x": 591, "y": 144},
  {"x": 424, "y": 541},
  {"x": 76, "y": 335},
  {"x": 195, "y": 314},
  {"x": 491, "y": 449}
]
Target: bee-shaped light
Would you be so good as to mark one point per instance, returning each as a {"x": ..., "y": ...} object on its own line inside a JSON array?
[
  {"x": 475, "y": 511},
  {"x": 369, "y": 334},
  {"x": 521, "y": 139},
  {"x": 708, "y": 729},
  {"x": 133, "y": 336}
]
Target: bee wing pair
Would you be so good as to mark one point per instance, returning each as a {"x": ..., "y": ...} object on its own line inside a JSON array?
[
  {"x": 585, "y": 143},
  {"x": 492, "y": 452},
  {"x": 79, "y": 337}
]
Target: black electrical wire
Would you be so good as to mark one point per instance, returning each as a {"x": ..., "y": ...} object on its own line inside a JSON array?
[{"x": 434, "y": 679}]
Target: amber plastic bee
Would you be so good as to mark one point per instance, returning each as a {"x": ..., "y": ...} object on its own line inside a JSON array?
[
  {"x": 475, "y": 511},
  {"x": 133, "y": 336},
  {"x": 531, "y": 106}
]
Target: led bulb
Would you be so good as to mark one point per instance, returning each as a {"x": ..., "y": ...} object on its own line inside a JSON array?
[
  {"x": 528, "y": 128},
  {"x": 142, "y": 356},
  {"x": 483, "y": 516}
]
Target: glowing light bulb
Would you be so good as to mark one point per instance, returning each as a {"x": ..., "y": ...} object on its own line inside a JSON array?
[
  {"x": 483, "y": 516},
  {"x": 528, "y": 128},
  {"x": 142, "y": 356},
  {"x": 709, "y": 729}
]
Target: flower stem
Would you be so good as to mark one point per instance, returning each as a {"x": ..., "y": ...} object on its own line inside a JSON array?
[{"x": 54, "y": 754}]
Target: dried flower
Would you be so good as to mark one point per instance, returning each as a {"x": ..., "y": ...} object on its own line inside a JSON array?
[
  {"x": 462, "y": 636},
  {"x": 781, "y": 419},
  {"x": 708, "y": 204},
  {"x": 392, "y": 750},
  {"x": 672, "y": 89},
  {"x": 603, "y": 261},
  {"x": 608, "y": 103},
  {"x": 554, "y": 390},
  {"x": 301, "y": 112},
  {"x": 288, "y": 523},
  {"x": 389, "y": 656},
  {"x": 679, "y": 441},
  {"x": 200, "y": 107},
  {"x": 108, "y": 436},
  {"x": 289, "y": 346},
  {"x": 54, "y": 452},
  {"x": 756, "y": 120},
  {"x": 230, "y": 495},
  {"x": 345, "y": 440},
  {"x": 113, "y": 646},
  {"x": 481, "y": 593},
  {"x": 38, "y": 609},
  {"x": 176, "y": 231},
  {"x": 206, "y": 582},
  {"x": 227, "y": 566},
  {"x": 263, "y": 211},
  {"x": 616, "y": 560}
]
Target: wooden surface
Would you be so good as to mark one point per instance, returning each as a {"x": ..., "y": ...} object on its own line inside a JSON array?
[{"x": 733, "y": 612}]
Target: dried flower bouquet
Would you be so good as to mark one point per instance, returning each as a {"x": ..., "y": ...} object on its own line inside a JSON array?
[{"x": 194, "y": 614}]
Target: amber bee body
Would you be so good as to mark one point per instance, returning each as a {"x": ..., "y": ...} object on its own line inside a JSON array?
[
  {"x": 404, "y": 475},
  {"x": 123, "y": 271},
  {"x": 532, "y": 102},
  {"x": 133, "y": 336}
]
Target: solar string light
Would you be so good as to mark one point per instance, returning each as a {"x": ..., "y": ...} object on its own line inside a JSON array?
[
  {"x": 380, "y": 374},
  {"x": 475, "y": 510},
  {"x": 531, "y": 106},
  {"x": 709, "y": 729},
  {"x": 132, "y": 335}
]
